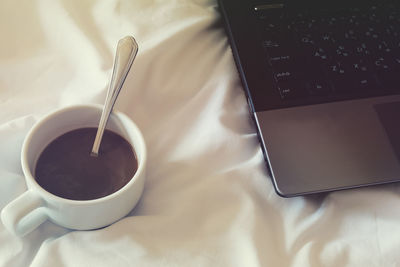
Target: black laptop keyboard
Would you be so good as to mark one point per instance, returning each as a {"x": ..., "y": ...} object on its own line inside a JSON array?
[{"x": 354, "y": 51}]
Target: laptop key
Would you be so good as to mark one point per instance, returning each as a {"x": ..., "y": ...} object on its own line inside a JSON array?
[
  {"x": 342, "y": 86},
  {"x": 382, "y": 64},
  {"x": 318, "y": 87},
  {"x": 285, "y": 75},
  {"x": 360, "y": 66},
  {"x": 342, "y": 54},
  {"x": 271, "y": 44},
  {"x": 363, "y": 83},
  {"x": 286, "y": 70},
  {"x": 335, "y": 70},
  {"x": 280, "y": 59},
  {"x": 395, "y": 62},
  {"x": 292, "y": 89},
  {"x": 389, "y": 80}
]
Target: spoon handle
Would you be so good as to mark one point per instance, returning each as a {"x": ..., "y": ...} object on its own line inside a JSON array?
[{"x": 126, "y": 52}]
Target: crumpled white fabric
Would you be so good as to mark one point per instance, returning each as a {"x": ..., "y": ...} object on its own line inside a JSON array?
[{"x": 208, "y": 198}]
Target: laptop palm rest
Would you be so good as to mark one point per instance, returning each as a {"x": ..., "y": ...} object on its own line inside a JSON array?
[{"x": 332, "y": 145}]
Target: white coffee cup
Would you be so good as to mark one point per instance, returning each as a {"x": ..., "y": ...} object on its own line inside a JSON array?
[{"x": 37, "y": 205}]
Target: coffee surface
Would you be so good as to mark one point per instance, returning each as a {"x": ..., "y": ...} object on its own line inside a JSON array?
[{"x": 65, "y": 167}]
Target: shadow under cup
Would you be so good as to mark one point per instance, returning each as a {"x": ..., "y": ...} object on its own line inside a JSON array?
[{"x": 74, "y": 214}]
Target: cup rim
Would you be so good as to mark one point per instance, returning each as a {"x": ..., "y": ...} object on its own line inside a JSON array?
[{"x": 47, "y": 195}]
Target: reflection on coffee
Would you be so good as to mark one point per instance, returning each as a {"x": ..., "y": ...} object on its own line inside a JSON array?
[{"x": 66, "y": 169}]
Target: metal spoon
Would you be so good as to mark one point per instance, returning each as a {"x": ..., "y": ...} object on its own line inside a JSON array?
[{"x": 126, "y": 52}]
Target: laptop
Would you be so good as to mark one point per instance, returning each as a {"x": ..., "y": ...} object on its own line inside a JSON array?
[{"x": 322, "y": 80}]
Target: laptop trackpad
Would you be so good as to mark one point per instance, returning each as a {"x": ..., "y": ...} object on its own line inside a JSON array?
[
  {"x": 333, "y": 145},
  {"x": 389, "y": 115}
]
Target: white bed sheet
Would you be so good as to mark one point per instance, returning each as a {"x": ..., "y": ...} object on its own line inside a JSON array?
[{"x": 208, "y": 198}]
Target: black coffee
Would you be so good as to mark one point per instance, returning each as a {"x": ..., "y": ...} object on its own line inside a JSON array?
[{"x": 66, "y": 169}]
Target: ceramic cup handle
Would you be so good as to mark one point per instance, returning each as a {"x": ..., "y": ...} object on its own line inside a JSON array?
[{"x": 24, "y": 214}]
